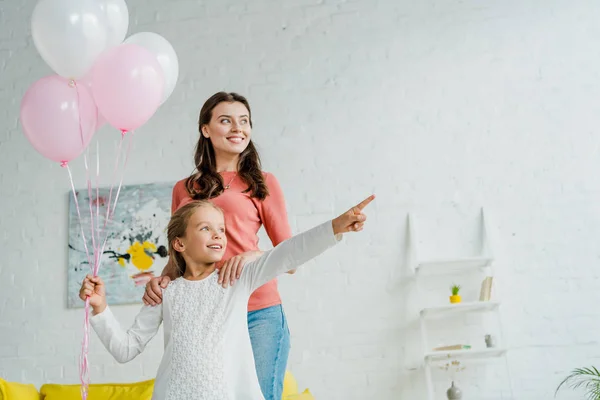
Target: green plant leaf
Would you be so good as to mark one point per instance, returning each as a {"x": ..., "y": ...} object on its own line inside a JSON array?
[
  {"x": 455, "y": 289},
  {"x": 583, "y": 378}
]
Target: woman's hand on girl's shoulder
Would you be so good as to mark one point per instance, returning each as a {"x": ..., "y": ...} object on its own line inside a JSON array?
[
  {"x": 232, "y": 268},
  {"x": 153, "y": 294}
]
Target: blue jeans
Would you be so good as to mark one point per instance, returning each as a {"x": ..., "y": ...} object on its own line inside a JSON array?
[{"x": 270, "y": 339}]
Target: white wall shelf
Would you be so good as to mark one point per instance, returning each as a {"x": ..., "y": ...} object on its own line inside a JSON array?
[
  {"x": 451, "y": 266},
  {"x": 452, "y": 309},
  {"x": 481, "y": 264},
  {"x": 434, "y": 356}
]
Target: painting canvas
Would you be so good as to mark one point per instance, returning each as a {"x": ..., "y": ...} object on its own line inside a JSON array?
[{"x": 136, "y": 245}]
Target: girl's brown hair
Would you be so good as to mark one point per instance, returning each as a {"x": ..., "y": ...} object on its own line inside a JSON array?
[
  {"x": 206, "y": 183},
  {"x": 178, "y": 225}
]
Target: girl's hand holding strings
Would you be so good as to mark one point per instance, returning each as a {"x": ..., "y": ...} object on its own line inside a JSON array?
[{"x": 93, "y": 287}]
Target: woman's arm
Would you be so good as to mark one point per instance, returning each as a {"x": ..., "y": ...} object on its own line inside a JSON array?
[
  {"x": 153, "y": 293},
  {"x": 273, "y": 213},
  {"x": 126, "y": 345}
]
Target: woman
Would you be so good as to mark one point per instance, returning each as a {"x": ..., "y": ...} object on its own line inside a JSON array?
[{"x": 228, "y": 173}]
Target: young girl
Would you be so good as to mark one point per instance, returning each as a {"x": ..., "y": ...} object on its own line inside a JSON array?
[
  {"x": 228, "y": 173},
  {"x": 199, "y": 314}
]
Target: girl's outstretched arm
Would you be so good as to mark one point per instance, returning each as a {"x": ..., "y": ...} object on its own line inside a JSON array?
[{"x": 303, "y": 247}]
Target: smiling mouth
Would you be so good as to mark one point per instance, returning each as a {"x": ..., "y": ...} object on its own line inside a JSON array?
[
  {"x": 236, "y": 139},
  {"x": 215, "y": 247}
]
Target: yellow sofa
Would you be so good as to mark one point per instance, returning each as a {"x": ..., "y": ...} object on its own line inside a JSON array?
[{"x": 113, "y": 391}]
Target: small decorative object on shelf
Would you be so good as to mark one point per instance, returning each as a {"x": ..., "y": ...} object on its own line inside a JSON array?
[
  {"x": 453, "y": 347},
  {"x": 454, "y": 393},
  {"x": 486, "y": 289},
  {"x": 489, "y": 341},
  {"x": 455, "y": 298}
]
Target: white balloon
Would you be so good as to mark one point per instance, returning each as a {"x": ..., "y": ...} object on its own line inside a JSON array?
[
  {"x": 117, "y": 19},
  {"x": 167, "y": 58},
  {"x": 69, "y": 34}
]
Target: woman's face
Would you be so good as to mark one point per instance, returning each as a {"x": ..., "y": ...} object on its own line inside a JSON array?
[{"x": 229, "y": 128}]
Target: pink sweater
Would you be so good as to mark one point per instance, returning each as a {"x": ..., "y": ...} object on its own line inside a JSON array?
[{"x": 243, "y": 218}]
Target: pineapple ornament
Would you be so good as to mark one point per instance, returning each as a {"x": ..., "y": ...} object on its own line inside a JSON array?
[{"x": 455, "y": 298}]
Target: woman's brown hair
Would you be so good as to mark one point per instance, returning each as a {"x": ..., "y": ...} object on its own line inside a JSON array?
[
  {"x": 178, "y": 225},
  {"x": 206, "y": 183}
]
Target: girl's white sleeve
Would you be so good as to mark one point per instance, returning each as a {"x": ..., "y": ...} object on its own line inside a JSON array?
[
  {"x": 126, "y": 345},
  {"x": 289, "y": 254}
]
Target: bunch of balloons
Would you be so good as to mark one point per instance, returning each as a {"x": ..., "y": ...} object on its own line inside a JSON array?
[{"x": 101, "y": 77}]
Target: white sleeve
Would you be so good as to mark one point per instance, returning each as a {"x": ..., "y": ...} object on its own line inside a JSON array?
[
  {"x": 126, "y": 345},
  {"x": 289, "y": 254}
]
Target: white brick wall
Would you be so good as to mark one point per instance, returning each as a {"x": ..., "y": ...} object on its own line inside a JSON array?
[{"x": 438, "y": 107}]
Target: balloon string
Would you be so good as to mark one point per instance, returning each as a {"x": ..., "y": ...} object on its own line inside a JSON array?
[
  {"x": 83, "y": 361},
  {"x": 91, "y": 201},
  {"x": 84, "y": 373},
  {"x": 124, "y": 166},
  {"x": 87, "y": 252},
  {"x": 112, "y": 184},
  {"x": 73, "y": 83},
  {"x": 97, "y": 187},
  {"x": 110, "y": 215},
  {"x": 84, "y": 370}
]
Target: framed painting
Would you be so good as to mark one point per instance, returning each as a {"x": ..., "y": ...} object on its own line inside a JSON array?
[{"x": 136, "y": 241}]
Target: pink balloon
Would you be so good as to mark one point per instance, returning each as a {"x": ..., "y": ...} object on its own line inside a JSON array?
[
  {"x": 58, "y": 118},
  {"x": 101, "y": 121},
  {"x": 87, "y": 81},
  {"x": 128, "y": 85}
]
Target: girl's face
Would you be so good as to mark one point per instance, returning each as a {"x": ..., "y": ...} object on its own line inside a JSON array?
[
  {"x": 229, "y": 128},
  {"x": 204, "y": 241}
]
